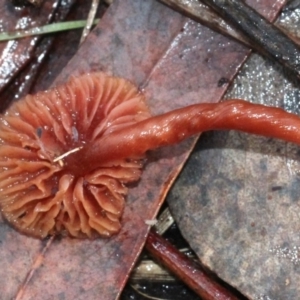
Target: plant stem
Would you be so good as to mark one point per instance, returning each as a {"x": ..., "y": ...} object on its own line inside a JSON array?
[
  {"x": 187, "y": 270},
  {"x": 46, "y": 29}
]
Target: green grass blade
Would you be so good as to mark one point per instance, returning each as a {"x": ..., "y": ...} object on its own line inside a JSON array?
[{"x": 49, "y": 28}]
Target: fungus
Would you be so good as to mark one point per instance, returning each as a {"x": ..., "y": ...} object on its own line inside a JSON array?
[
  {"x": 41, "y": 192},
  {"x": 67, "y": 154}
]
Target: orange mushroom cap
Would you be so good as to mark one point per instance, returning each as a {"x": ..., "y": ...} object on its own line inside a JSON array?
[{"x": 42, "y": 189}]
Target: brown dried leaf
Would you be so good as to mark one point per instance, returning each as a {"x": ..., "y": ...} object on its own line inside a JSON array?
[
  {"x": 20, "y": 59},
  {"x": 241, "y": 208},
  {"x": 17, "y": 53}
]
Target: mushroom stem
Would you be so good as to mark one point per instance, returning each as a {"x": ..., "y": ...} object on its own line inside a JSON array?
[{"x": 177, "y": 125}]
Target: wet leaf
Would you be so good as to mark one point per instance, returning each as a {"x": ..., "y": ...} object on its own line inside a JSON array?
[
  {"x": 16, "y": 54},
  {"x": 241, "y": 192}
]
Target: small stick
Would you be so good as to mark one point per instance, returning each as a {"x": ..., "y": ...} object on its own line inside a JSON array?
[
  {"x": 66, "y": 154},
  {"x": 245, "y": 25},
  {"x": 262, "y": 34},
  {"x": 206, "y": 16},
  {"x": 186, "y": 270},
  {"x": 90, "y": 20},
  {"x": 34, "y": 267}
]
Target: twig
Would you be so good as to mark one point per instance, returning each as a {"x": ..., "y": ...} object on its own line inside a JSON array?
[
  {"x": 185, "y": 269},
  {"x": 34, "y": 267},
  {"x": 244, "y": 24},
  {"x": 90, "y": 20},
  {"x": 204, "y": 15},
  {"x": 262, "y": 34}
]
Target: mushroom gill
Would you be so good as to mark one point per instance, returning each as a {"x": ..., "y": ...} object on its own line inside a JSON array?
[{"x": 43, "y": 188}]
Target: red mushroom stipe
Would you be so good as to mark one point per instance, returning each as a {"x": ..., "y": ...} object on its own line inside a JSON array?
[{"x": 67, "y": 154}]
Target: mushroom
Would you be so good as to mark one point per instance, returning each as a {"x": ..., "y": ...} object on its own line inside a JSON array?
[
  {"x": 41, "y": 191},
  {"x": 67, "y": 154}
]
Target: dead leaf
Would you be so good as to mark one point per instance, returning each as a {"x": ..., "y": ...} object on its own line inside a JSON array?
[
  {"x": 176, "y": 62},
  {"x": 21, "y": 59},
  {"x": 16, "y": 54},
  {"x": 241, "y": 192}
]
